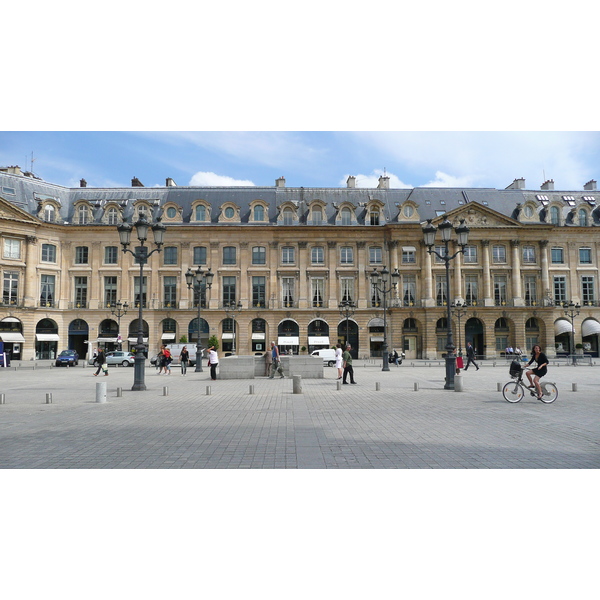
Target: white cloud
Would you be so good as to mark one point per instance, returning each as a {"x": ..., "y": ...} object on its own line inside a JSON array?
[
  {"x": 207, "y": 178},
  {"x": 372, "y": 180},
  {"x": 444, "y": 180}
]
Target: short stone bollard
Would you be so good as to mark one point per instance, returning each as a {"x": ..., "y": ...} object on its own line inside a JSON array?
[
  {"x": 165, "y": 391},
  {"x": 498, "y": 387},
  {"x": 48, "y": 398},
  {"x": 377, "y": 386},
  {"x": 251, "y": 390},
  {"x": 297, "y": 384},
  {"x": 458, "y": 383},
  {"x": 119, "y": 392},
  {"x": 573, "y": 387},
  {"x": 208, "y": 390},
  {"x": 339, "y": 385},
  {"x": 416, "y": 388},
  {"x": 101, "y": 392},
  {"x": 2, "y": 399}
]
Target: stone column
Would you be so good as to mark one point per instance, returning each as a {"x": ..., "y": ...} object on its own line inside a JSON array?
[
  {"x": 31, "y": 262},
  {"x": 215, "y": 261},
  {"x": 333, "y": 283},
  {"x": 516, "y": 274},
  {"x": 427, "y": 278},
  {"x": 545, "y": 273},
  {"x": 363, "y": 296},
  {"x": 304, "y": 282},
  {"x": 487, "y": 278},
  {"x": 272, "y": 287}
]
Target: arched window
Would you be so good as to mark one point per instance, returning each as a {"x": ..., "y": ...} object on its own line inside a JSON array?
[
  {"x": 83, "y": 214},
  {"x": 259, "y": 212},
  {"x": 317, "y": 216},
  {"x": 112, "y": 216},
  {"x": 288, "y": 217},
  {"x": 346, "y": 216},
  {"x": 554, "y": 215},
  {"x": 374, "y": 216},
  {"x": 49, "y": 213},
  {"x": 501, "y": 323},
  {"x": 583, "y": 217},
  {"x": 200, "y": 212}
]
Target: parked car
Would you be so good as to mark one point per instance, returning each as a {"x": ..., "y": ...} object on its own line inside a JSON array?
[
  {"x": 127, "y": 359},
  {"x": 69, "y": 358},
  {"x": 327, "y": 354}
]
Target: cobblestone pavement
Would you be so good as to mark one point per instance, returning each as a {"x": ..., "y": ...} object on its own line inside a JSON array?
[{"x": 356, "y": 426}]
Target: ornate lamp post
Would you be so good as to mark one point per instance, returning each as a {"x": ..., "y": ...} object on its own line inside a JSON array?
[
  {"x": 571, "y": 310},
  {"x": 459, "y": 310},
  {"x": 462, "y": 232},
  {"x": 119, "y": 310},
  {"x": 141, "y": 255},
  {"x": 380, "y": 281},
  {"x": 197, "y": 280},
  {"x": 231, "y": 309},
  {"x": 347, "y": 309}
]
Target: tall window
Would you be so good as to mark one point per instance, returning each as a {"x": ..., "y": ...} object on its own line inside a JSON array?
[
  {"x": 557, "y": 256},
  {"x": 375, "y": 297},
  {"x": 583, "y": 217},
  {"x": 585, "y": 256},
  {"x": 112, "y": 216},
  {"x": 409, "y": 256},
  {"x": 587, "y": 290},
  {"x": 229, "y": 290},
  {"x": 346, "y": 255},
  {"x": 12, "y": 248},
  {"x": 288, "y": 217},
  {"x": 471, "y": 290},
  {"x": 528, "y": 255},
  {"x": 81, "y": 288},
  {"x": 49, "y": 213},
  {"x": 47, "y": 296},
  {"x": 111, "y": 254},
  {"x": 141, "y": 253},
  {"x": 259, "y": 255},
  {"x": 49, "y": 253},
  {"x": 110, "y": 291},
  {"x": 317, "y": 216},
  {"x": 560, "y": 289},
  {"x": 346, "y": 216},
  {"x": 139, "y": 294},
  {"x": 81, "y": 255},
  {"x": 374, "y": 216},
  {"x": 259, "y": 212},
  {"x": 229, "y": 255},
  {"x": 200, "y": 212},
  {"x": 259, "y": 297},
  {"x": 287, "y": 292},
  {"x": 470, "y": 255},
  {"x": 200, "y": 255},
  {"x": 409, "y": 290},
  {"x": 441, "y": 291},
  {"x": 531, "y": 290},
  {"x": 317, "y": 255},
  {"x": 10, "y": 289},
  {"x": 375, "y": 255},
  {"x": 288, "y": 255},
  {"x": 554, "y": 215},
  {"x": 170, "y": 255},
  {"x": 170, "y": 292},
  {"x": 500, "y": 296},
  {"x": 347, "y": 289},
  {"x": 441, "y": 250},
  {"x": 83, "y": 214},
  {"x": 499, "y": 254},
  {"x": 317, "y": 291}
]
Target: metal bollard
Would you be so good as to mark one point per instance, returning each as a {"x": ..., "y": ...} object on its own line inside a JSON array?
[
  {"x": 101, "y": 392},
  {"x": 339, "y": 385},
  {"x": 573, "y": 387},
  {"x": 416, "y": 388},
  {"x": 2, "y": 399},
  {"x": 119, "y": 392},
  {"x": 251, "y": 390},
  {"x": 377, "y": 386},
  {"x": 297, "y": 384},
  {"x": 165, "y": 390},
  {"x": 208, "y": 390},
  {"x": 48, "y": 398}
]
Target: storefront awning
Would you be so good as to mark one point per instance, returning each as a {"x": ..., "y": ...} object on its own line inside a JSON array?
[
  {"x": 167, "y": 336},
  {"x": 47, "y": 337},
  {"x": 376, "y": 338},
  {"x": 288, "y": 341},
  {"x": 12, "y": 337},
  {"x": 258, "y": 336},
  {"x": 590, "y": 327},
  {"x": 134, "y": 340},
  {"x": 227, "y": 336},
  {"x": 10, "y": 320},
  {"x": 106, "y": 339},
  {"x": 318, "y": 340},
  {"x": 562, "y": 326}
]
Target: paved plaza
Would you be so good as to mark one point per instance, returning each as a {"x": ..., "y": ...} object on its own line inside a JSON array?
[{"x": 381, "y": 423}]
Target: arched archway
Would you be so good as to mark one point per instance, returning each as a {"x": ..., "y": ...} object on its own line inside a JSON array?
[
  {"x": 376, "y": 336},
  {"x": 78, "y": 336},
  {"x": 288, "y": 336},
  {"x": 46, "y": 339},
  {"x": 193, "y": 332},
  {"x": 133, "y": 335},
  {"x": 590, "y": 334},
  {"x": 11, "y": 336},
  {"x": 347, "y": 331},
  {"x": 259, "y": 336},
  {"x": 318, "y": 335},
  {"x": 411, "y": 338},
  {"x": 475, "y": 333}
]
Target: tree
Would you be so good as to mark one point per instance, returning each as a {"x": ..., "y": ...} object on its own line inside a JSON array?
[{"x": 213, "y": 340}]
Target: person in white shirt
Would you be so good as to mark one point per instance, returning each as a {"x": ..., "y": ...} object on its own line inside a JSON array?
[
  {"x": 213, "y": 361},
  {"x": 338, "y": 360}
]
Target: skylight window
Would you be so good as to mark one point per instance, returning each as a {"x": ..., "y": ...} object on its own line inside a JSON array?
[
  {"x": 543, "y": 199},
  {"x": 570, "y": 200},
  {"x": 590, "y": 200}
]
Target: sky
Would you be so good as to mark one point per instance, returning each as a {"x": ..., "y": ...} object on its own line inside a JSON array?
[{"x": 308, "y": 159}]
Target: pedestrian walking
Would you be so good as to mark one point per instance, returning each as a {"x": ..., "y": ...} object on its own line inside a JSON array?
[
  {"x": 213, "y": 361},
  {"x": 339, "y": 361},
  {"x": 268, "y": 362},
  {"x": 471, "y": 356},
  {"x": 184, "y": 359},
  {"x": 348, "y": 370},
  {"x": 102, "y": 366},
  {"x": 276, "y": 362}
]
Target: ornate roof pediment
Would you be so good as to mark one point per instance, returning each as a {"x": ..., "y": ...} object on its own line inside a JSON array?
[
  {"x": 14, "y": 213},
  {"x": 477, "y": 215}
]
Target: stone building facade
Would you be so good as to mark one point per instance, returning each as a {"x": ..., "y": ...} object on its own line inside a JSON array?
[{"x": 288, "y": 257}]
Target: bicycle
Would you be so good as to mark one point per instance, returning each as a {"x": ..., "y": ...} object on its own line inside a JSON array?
[{"x": 514, "y": 391}]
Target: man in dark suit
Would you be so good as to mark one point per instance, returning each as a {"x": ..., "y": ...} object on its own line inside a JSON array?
[{"x": 471, "y": 356}]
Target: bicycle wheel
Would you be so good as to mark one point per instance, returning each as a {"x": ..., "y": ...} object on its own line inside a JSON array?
[
  {"x": 513, "y": 392},
  {"x": 549, "y": 393}
]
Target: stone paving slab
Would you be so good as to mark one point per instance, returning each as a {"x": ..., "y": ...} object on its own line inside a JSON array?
[{"x": 355, "y": 427}]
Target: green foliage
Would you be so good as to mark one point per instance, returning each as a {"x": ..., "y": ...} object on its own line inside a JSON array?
[
  {"x": 213, "y": 340},
  {"x": 183, "y": 339}
]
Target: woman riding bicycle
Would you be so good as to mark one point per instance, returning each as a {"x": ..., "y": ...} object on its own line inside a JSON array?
[{"x": 538, "y": 372}]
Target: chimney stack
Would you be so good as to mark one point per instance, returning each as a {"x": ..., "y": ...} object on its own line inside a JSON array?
[
  {"x": 384, "y": 183},
  {"x": 82, "y": 183},
  {"x": 351, "y": 181},
  {"x": 280, "y": 183},
  {"x": 590, "y": 186},
  {"x": 517, "y": 184},
  {"x": 170, "y": 182},
  {"x": 548, "y": 185},
  {"x": 135, "y": 182}
]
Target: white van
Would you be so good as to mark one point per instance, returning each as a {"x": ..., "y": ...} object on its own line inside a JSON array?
[
  {"x": 327, "y": 354},
  {"x": 176, "y": 351}
]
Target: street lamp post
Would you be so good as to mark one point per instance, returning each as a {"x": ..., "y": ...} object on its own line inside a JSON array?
[
  {"x": 459, "y": 310},
  {"x": 197, "y": 280},
  {"x": 347, "y": 310},
  {"x": 141, "y": 255},
  {"x": 231, "y": 309},
  {"x": 571, "y": 310},
  {"x": 462, "y": 232},
  {"x": 380, "y": 281},
  {"x": 119, "y": 310}
]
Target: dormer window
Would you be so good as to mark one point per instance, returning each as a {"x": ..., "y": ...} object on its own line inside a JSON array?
[
  {"x": 554, "y": 215},
  {"x": 259, "y": 212},
  {"x": 374, "y": 217},
  {"x": 112, "y": 216},
  {"x": 49, "y": 213},
  {"x": 346, "y": 216},
  {"x": 288, "y": 216},
  {"x": 83, "y": 214},
  {"x": 200, "y": 212}
]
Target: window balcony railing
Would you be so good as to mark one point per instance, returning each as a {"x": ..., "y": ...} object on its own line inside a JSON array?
[
  {"x": 288, "y": 304},
  {"x": 260, "y": 304},
  {"x": 320, "y": 304},
  {"x": 79, "y": 305},
  {"x": 171, "y": 304},
  {"x": 590, "y": 303},
  {"x": 203, "y": 304},
  {"x": 14, "y": 302},
  {"x": 47, "y": 304}
]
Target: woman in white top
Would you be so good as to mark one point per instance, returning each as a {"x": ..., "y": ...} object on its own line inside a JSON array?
[
  {"x": 338, "y": 360},
  {"x": 213, "y": 361}
]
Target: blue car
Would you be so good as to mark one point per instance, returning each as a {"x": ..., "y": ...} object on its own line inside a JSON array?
[{"x": 70, "y": 358}]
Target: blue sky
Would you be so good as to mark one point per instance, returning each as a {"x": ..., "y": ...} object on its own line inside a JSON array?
[{"x": 309, "y": 159}]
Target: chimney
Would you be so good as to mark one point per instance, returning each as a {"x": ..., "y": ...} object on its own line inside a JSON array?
[
  {"x": 351, "y": 181},
  {"x": 590, "y": 186},
  {"x": 384, "y": 183},
  {"x": 280, "y": 183},
  {"x": 82, "y": 183},
  {"x": 135, "y": 182},
  {"x": 170, "y": 183},
  {"x": 548, "y": 185},
  {"x": 517, "y": 184}
]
